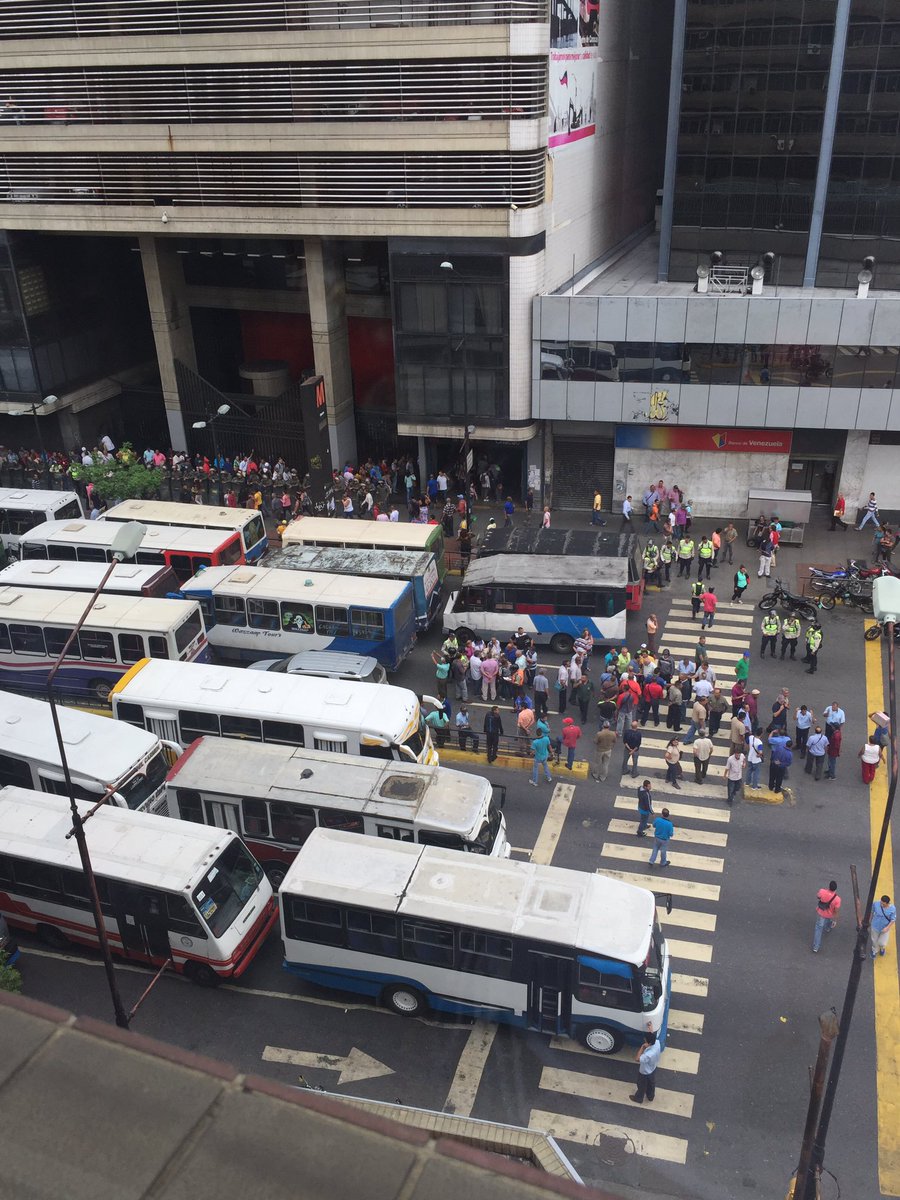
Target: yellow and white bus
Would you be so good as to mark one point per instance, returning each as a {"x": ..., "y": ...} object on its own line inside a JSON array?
[
  {"x": 245, "y": 521},
  {"x": 181, "y": 702}
]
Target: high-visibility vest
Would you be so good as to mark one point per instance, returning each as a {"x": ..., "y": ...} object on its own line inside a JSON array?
[
  {"x": 790, "y": 627},
  {"x": 650, "y": 557},
  {"x": 814, "y": 639},
  {"x": 705, "y": 550},
  {"x": 770, "y": 625},
  {"x": 667, "y": 553},
  {"x": 685, "y": 548}
]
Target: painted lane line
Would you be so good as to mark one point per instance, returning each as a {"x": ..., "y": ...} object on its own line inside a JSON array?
[
  {"x": 689, "y": 985},
  {"x": 587, "y": 1133},
  {"x": 682, "y": 1021},
  {"x": 686, "y": 918},
  {"x": 887, "y": 995},
  {"x": 470, "y": 1069},
  {"x": 551, "y": 827},
  {"x": 687, "y": 1061},
  {"x": 686, "y": 862},
  {"x": 613, "y": 1091},
  {"x": 660, "y": 880},
  {"x": 699, "y": 837},
  {"x": 684, "y": 812}
]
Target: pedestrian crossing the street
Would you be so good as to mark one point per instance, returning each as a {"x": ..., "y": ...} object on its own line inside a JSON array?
[{"x": 661, "y": 1129}]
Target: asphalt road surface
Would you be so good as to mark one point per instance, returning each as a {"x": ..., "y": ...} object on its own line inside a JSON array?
[{"x": 732, "y": 1087}]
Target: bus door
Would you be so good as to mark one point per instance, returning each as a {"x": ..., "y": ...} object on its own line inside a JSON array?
[
  {"x": 549, "y": 993},
  {"x": 222, "y": 815},
  {"x": 142, "y": 919}
]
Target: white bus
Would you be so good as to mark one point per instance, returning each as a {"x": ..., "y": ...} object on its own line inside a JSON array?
[
  {"x": 105, "y": 759},
  {"x": 367, "y": 535},
  {"x": 245, "y": 521},
  {"x": 170, "y": 892},
  {"x": 23, "y": 508},
  {"x": 185, "y": 551},
  {"x": 35, "y": 624},
  {"x": 419, "y": 927},
  {"x": 255, "y": 612},
  {"x": 274, "y": 796},
  {"x": 127, "y": 579},
  {"x": 553, "y": 597},
  {"x": 183, "y": 701}
]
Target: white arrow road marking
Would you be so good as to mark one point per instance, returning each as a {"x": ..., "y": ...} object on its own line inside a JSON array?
[{"x": 355, "y": 1066}]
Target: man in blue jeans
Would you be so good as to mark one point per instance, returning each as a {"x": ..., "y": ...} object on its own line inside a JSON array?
[
  {"x": 540, "y": 748},
  {"x": 663, "y": 829}
]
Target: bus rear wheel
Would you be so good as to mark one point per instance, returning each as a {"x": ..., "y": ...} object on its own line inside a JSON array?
[
  {"x": 601, "y": 1039},
  {"x": 404, "y": 1000},
  {"x": 562, "y": 643},
  {"x": 52, "y": 937},
  {"x": 100, "y": 689},
  {"x": 275, "y": 873},
  {"x": 202, "y": 974}
]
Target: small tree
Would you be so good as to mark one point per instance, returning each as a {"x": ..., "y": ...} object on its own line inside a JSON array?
[
  {"x": 10, "y": 978},
  {"x": 127, "y": 478}
]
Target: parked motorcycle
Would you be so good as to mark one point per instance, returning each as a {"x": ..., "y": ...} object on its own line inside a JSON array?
[
  {"x": 829, "y": 598},
  {"x": 878, "y": 630},
  {"x": 788, "y": 601}
]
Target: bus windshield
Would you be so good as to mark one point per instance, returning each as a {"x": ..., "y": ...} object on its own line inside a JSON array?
[
  {"x": 187, "y": 631},
  {"x": 138, "y": 788},
  {"x": 487, "y": 835},
  {"x": 227, "y": 886}
]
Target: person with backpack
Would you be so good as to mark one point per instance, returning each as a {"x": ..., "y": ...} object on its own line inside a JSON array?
[{"x": 828, "y": 904}]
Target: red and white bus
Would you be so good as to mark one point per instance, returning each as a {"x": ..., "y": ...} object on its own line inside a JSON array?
[{"x": 170, "y": 891}]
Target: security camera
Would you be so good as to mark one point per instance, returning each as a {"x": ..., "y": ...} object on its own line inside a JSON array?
[{"x": 164, "y": 219}]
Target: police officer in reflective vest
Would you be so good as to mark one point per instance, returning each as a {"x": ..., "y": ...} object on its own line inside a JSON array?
[
  {"x": 685, "y": 556},
  {"x": 651, "y": 564},
  {"x": 705, "y": 557},
  {"x": 696, "y": 593},
  {"x": 813, "y": 646},
  {"x": 667, "y": 557},
  {"x": 790, "y": 632},
  {"x": 769, "y": 634}
]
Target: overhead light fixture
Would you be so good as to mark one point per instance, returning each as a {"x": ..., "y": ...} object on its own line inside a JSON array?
[
  {"x": 446, "y": 266},
  {"x": 864, "y": 277},
  {"x": 702, "y": 272},
  {"x": 716, "y": 257},
  {"x": 757, "y": 273}
]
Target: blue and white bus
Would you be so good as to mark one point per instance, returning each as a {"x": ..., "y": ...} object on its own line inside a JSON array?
[
  {"x": 417, "y": 567},
  {"x": 553, "y": 598},
  {"x": 422, "y": 927},
  {"x": 120, "y": 631},
  {"x": 254, "y": 612}
]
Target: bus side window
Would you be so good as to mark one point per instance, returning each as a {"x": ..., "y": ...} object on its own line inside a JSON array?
[
  {"x": 396, "y": 832},
  {"x": 97, "y": 645},
  {"x": 68, "y": 512},
  {"x": 232, "y": 552},
  {"x": 132, "y": 713},
  {"x": 364, "y": 623},
  {"x": 606, "y": 989},
  {"x": 4, "y": 520},
  {"x": 229, "y": 610},
  {"x": 485, "y": 953},
  {"x": 158, "y": 647},
  {"x": 36, "y": 551},
  {"x": 5, "y": 643},
  {"x": 262, "y": 614},
  {"x": 248, "y": 728},
  {"x": 291, "y": 822},
  {"x": 331, "y": 621},
  {"x": 180, "y": 917},
  {"x": 190, "y": 805},
  {"x": 427, "y": 943},
  {"x": 94, "y": 554},
  {"x": 308, "y": 921},
  {"x": 182, "y": 565},
  {"x": 334, "y": 818},
  {"x": 195, "y": 724},
  {"x": 296, "y": 617},
  {"x": 56, "y": 639},
  {"x": 75, "y": 889},
  {"x": 255, "y": 817},
  {"x": 375, "y": 933},
  {"x": 283, "y": 733},
  {"x": 13, "y": 772},
  {"x": 62, "y": 553},
  {"x": 27, "y": 639},
  {"x": 131, "y": 647},
  {"x": 37, "y": 879}
]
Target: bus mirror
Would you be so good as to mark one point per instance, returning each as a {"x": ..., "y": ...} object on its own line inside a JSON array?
[
  {"x": 407, "y": 753},
  {"x": 433, "y": 700},
  {"x": 664, "y": 898},
  {"x": 499, "y": 794}
]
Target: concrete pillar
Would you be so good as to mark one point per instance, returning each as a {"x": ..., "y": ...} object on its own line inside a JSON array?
[
  {"x": 171, "y": 323},
  {"x": 331, "y": 347},
  {"x": 853, "y": 471},
  {"x": 423, "y": 464}
]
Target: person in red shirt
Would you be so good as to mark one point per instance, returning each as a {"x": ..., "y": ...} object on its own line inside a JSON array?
[
  {"x": 653, "y": 694},
  {"x": 828, "y": 903},
  {"x": 571, "y": 734},
  {"x": 709, "y": 602},
  {"x": 833, "y": 752}
]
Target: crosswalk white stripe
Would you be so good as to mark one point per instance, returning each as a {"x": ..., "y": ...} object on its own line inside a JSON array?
[
  {"x": 683, "y": 812},
  {"x": 687, "y": 918},
  {"x": 657, "y": 1146},
  {"x": 613, "y": 1091},
  {"x": 689, "y": 985},
  {"x": 692, "y": 951},
  {"x": 662, "y": 881},
  {"x": 664, "y": 792},
  {"x": 699, "y": 837},
  {"x": 686, "y": 1061},
  {"x": 725, "y": 608},
  {"x": 682, "y": 1021},
  {"x": 687, "y": 862}
]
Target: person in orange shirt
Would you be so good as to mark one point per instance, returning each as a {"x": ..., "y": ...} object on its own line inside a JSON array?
[{"x": 717, "y": 545}]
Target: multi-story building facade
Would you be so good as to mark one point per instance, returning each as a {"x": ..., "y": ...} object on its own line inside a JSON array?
[
  {"x": 756, "y": 340},
  {"x": 372, "y": 190}
]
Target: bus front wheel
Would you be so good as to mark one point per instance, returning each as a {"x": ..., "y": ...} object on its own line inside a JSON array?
[
  {"x": 275, "y": 873},
  {"x": 101, "y": 689},
  {"x": 202, "y": 974},
  {"x": 601, "y": 1039},
  {"x": 562, "y": 643},
  {"x": 404, "y": 1000},
  {"x": 53, "y": 937}
]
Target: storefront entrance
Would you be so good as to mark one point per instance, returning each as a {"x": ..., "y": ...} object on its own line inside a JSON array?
[{"x": 816, "y": 475}]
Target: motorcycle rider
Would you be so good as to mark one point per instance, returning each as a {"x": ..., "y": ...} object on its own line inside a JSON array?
[{"x": 769, "y": 634}]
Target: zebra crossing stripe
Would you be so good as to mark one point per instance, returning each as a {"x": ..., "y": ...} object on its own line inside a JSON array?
[
  {"x": 657, "y": 1146},
  {"x": 687, "y": 862},
  {"x": 682, "y": 1021},
  {"x": 662, "y": 879},
  {"x": 699, "y": 837},
  {"x": 613, "y": 1091},
  {"x": 693, "y": 951},
  {"x": 687, "y": 918},
  {"x": 689, "y": 985},
  {"x": 683, "y": 812},
  {"x": 686, "y": 1061}
]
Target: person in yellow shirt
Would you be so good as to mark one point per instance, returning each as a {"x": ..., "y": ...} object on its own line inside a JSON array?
[{"x": 597, "y": 509}]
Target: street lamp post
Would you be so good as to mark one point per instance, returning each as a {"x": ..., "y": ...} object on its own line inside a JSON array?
[
  {"x": 124, "y": 545},
  {"x": 210, "y": 424},
  {"x": 886, "y": 603},
  {"x": 34, "y": 409}
]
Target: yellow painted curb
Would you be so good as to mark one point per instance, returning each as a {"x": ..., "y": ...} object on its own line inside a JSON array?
[
  {"x": 512, "y": 762},
  {"x": 764, "y": 796}
]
